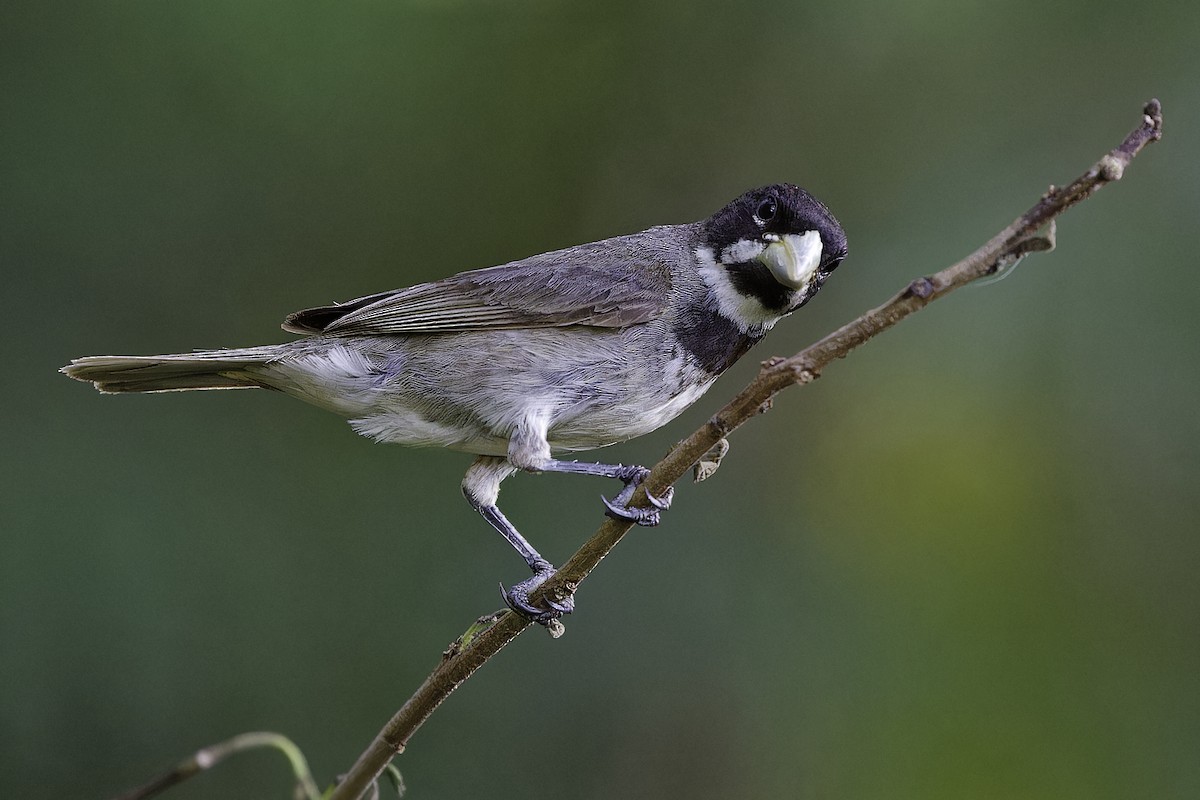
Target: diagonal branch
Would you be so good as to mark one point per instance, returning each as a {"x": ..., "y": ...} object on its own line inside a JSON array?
[{"x": 489, "y": 634}]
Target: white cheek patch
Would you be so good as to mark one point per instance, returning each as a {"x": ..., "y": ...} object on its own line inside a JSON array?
[
  {"x": 746, "y": 312},
  {"x": 742, "y": 251}
]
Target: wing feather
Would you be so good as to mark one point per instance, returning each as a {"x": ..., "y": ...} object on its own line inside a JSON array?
[{"x": 612, "y": 283}]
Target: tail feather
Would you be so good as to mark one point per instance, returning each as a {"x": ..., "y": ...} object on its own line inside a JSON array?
[{"x": 206, "y": 369}]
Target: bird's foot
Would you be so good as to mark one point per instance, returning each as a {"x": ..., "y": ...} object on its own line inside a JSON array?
[
  {"x": 517, "y": 598},
  {"x": 618, "y": 507}
]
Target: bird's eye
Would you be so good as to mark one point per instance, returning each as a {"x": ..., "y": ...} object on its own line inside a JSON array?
[{"x": 766, "y": 211}]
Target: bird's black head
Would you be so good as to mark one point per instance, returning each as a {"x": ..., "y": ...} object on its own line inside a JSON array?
[{"x": 768, "y": 252}]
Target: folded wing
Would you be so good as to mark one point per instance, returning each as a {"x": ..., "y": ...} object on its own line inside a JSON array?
[{"x": 605, "y": 284}]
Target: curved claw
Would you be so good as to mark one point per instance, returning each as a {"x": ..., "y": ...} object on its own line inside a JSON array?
[
  {"x": 517, "y": 598},
  {"x": 562, "y": 607},
  {"x": 646, "y": 517},
  {"x": 518, "y": 601},
  {"x": 663, "y": 502}
]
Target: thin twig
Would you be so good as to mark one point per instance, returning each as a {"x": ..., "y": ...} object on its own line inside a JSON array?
[
  {"x": 305, "y": 787},
  {"x": 461, "y": 660}
]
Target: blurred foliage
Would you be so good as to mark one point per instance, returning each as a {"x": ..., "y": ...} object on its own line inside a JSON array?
[{"x": 962, "y": 565}]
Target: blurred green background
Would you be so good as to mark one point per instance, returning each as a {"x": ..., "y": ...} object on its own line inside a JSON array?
[{"x": 962, "y": 565}]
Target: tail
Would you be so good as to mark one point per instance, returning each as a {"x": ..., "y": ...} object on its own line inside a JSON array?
[{"x": 204, "y": 369}]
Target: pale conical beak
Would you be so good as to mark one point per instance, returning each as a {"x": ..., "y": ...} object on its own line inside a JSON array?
[{"x": 793, "y": 258}]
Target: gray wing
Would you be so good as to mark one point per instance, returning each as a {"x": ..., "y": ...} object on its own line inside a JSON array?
[{"x": 608, "y": 284}]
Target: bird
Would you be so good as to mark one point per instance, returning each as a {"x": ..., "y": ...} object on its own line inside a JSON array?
[{"x": 523, "y": 363}]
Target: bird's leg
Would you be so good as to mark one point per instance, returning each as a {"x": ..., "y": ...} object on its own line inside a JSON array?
[
  {"x": 481, "y": 487},
  {"x": 632, "y": 476},
  {"x": 529, "y": 450}
]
